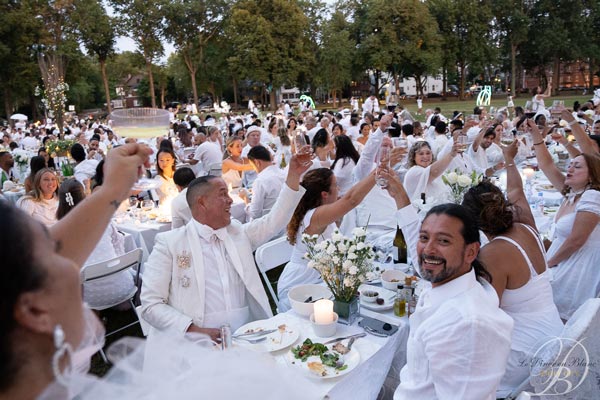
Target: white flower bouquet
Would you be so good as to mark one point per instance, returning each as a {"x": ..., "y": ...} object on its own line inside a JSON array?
[
  {"x": 21, "y": 157},
  {"x": 344, "y": 263},
  {"x": 460, "y": 182}
]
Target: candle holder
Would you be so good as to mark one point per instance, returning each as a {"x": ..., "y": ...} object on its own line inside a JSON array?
[{"x": 324, "y": 330}]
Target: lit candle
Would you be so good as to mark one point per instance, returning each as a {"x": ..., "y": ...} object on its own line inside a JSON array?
[
  {"x": 323, "y": 311},
  {"x": 529, "y": 173}
]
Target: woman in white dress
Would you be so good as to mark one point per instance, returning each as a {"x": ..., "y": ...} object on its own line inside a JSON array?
[
  {"x": 574, "y": 255},
  {"x": 165, "y": 168},
  {"x": 537, "y": 101},
  {"x": 424, "y": 174},
  {"x": 113, "y": 288},
  {"x": 41, "y": 203},
  {"x": 234, "y": 164},
  {"x": 316, "y": 214},
  {"x": 346, "y": 158},
  {"x": 323, "y": 148},
  {"x": 515, "y": 258}
]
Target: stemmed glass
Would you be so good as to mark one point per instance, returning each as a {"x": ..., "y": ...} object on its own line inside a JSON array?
[
  {"x": 401, "y": 143},
  {"x": 142, "y": 123},
  {"x": 463, "y": 143},
  {"x": 384, "y": 163},
  {"x": 507, "y": 138},
  {"x": 303, "y": 152}
]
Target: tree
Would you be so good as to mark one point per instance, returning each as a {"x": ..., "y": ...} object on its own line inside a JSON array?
[
  {"x": 335, "y": 56},
  {"x": 98, "y": 38},
  {"x": 191, "y": 25},
  {"x": 267, "y": 40},
  {"x": 142, "y": 22}
]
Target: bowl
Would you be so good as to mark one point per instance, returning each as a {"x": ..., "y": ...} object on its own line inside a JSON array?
[
  {"x": 299, "y": 294},
  {"x": 391, "y": 278},
  {"x": 369, "y": 296}
]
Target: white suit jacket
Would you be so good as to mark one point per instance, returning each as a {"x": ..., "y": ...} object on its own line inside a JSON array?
[
  {"x": 180, "y": 210},
  {"x": 169, "y": 306}
]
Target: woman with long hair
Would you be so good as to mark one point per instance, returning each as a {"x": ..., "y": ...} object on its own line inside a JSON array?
[
  {"x": 35, "y": 164},
  {"x": 41, "y": 203},
  {"x": 165, "y": 168},
  {"x": 234, "y": 164},
  {"x": 515, "y": 258},
  {"x": 365, "y": 131},
  {"x": 575, "y": 251},
  {"x": 316, "y": 214},
  {"x": 323, "y": 149},
  {"x": 346, "y": 158},
  {"x": 284, "y": 151}
]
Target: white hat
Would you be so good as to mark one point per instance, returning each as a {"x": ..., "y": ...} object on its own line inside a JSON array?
[{"x": 252, "y": 128}]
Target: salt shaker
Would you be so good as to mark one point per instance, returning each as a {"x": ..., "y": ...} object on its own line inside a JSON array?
[{"x": 225, "y": 336}]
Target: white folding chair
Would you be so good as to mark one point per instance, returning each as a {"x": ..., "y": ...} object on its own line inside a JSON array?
[
  {"x": 215, "y": 169},
  {"x": 90, "y": 273},
  {"x": 574, "y": 356},
  {"x": 271, "y": 255}
]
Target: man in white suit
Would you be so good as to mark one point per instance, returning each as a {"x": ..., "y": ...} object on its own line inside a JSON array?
[{"x": 203, "y": 275}]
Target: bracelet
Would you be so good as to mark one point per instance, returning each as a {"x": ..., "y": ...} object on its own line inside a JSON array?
[
  {"x": 509, "y": 165},
  {"x": 538, "y": 143}
]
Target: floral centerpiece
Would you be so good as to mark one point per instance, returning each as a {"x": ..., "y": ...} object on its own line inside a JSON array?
[
  {"x": 59, "y": 148},
  {"x": 460, "y": 183},
  {"x": 21, "y": 157},
  {"x": 344, "y": 264}
]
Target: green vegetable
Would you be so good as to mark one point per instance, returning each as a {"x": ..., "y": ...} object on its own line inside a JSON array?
[{"x": 309, "y": 349}]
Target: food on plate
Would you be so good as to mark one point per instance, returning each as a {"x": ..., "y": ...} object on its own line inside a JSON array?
[
  {"x": 329, "y": 358},
  {"x": 307, "y": 349},
  {"x": 340, "y": 348},
  {"x": 395, "y": 280},
  {"x": 282, "y": 328},
  {"x": 545, "y": 186},
  {"x": 317, "y": 368},
  {"x": 380, "y": 301},
  {"x": 254, "y": 330}
]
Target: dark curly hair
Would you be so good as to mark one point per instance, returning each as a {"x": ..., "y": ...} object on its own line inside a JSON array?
[
  {"x": 492, "y": 211},
  {"x": 315, "y": 181}
]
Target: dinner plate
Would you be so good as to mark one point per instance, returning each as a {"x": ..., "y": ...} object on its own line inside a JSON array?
[
  {"x": 352, "y": 359},
  {"x": 284, "y": 337},
  {"x": 387, "y": 295},
  {"x": 546, "y": 187}
]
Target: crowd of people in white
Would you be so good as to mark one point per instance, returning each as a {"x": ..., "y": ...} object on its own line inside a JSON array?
[{"x": 496, "y": 287}]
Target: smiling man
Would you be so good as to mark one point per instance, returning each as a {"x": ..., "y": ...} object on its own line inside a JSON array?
[
  {"x": 459, "y": 339},
  {"x": 202, "y": 275}
]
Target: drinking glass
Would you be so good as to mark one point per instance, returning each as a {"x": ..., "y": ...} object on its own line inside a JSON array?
[
  {"x": 507, "y": 138},
  {"x": 303, "y": 152},
  {"x": 384, "y": 163},
  {"x": 462, "y": 141},
  {"x": 147, "y": 205}
]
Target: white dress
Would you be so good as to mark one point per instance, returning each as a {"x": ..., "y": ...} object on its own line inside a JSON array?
[
  {"x": 296, "y": 272},
  {"x": 415, "y": 182},
  {"x": 167, "y": 189},
  {"x": 577, "y": 278},
  {"x": 114, "y": 288},
  {"x": 535, "y": 318},
  {"x": 232, "y": 177},
  {"x": 43, "y": 210},
  {"x": 343, "y": 174}
]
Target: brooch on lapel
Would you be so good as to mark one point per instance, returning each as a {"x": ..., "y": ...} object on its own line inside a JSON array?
[
  {"x": 184, "y": 260},
  {"x": 184, "y": 281}
]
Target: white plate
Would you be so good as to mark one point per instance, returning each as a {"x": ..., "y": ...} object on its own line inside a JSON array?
[
  {"x": 352, "y": 359},
  {"x": 275, "y": 341},
  {"x": 545, "y": 187},
  {"x": 387, "y": 295}
]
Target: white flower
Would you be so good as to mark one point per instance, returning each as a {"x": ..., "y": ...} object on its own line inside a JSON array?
[
  {"x": 359, "y": 232},
  {"x": 331, "y": 248},
  {"x": 335, "y": 259},
  {"x": 337, "y": 237},
  {"x": 346, "y": 265},
  {"x": 352, "y": 249},
  {"x": 360, "y": 246},
  {"x": 311, "y": 264},
  {"x": 464, "y": 181},
  {"x": 352, "y": 256},
  {"x": 348, "y": 282},
  {"x": 342, "y": 247},
  {"x": 452, "y": 178},
  {"x": 353, "y": 270}
]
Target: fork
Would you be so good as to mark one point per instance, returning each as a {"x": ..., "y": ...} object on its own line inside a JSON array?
[{"x": 251, "y": 341}]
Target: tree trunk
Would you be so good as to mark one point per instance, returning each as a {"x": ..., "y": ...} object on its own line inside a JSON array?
[
  {"x": 591, "y": 64},
  {"x": 163, "y": 92},
  {"x": 192, "y": 69},
  {"x": 555, "y": 76},
  {"x": 151, "y": 83},
  {"x": 105, "y": 82},
  {"x": 513, "y": 69},
  {"x": 7, "y": 108},
  {"x": 235, "y": 94},
  {"x": 444, "y": 79},
  {"x": 272, "y": 99},
  {"x": 334, "y": 93},
  {"x": 461, "y": 66}
]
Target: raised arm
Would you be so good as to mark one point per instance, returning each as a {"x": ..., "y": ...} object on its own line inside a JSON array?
[
  {"x": 228, "y": 164},
  {"x": 544, "y": 158},
  {"x": 438, "y": 167},
  {"x": 585, "y": 143},
  {"x": 369, "y": 152},
  {"x": 516, "y": 195},
  {"x": 79, "y": 231}
]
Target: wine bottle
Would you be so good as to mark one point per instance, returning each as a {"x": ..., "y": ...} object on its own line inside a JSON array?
[
  {"x": 282, "y": 164},
  {"x": 401, "y": 250}
]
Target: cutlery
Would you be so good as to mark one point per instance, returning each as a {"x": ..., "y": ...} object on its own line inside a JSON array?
[
  {"x": 254, "y": 334},
  {"x": 374, "y": 332},
  {"x": 356, "y": 336},
  {"x": 251, "y": 341},
  {"x": 350, "y": 343}
]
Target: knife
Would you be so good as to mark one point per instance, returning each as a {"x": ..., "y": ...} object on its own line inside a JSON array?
[
  {"x": 357, "y": 335},
  {"x": 258, "y": 333}
]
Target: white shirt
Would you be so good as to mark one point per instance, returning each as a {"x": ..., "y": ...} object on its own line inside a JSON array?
[
  {"x": 458, "y": 344},
  {"x": 208, "y": 153},
  {"x": 43, "y": 210},
  {"x": 85, "y": 170},
  {"x": 311, "y": 133},
  {"x": 29, "y": 143},
  {"x": 180, "y": 210},
  {"x": 265, "y": 190},
  {"x": 225, "y": 298},
  {"x": 343, "y": 174}
]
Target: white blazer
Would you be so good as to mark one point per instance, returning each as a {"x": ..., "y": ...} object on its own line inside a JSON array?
[{"x": 168, "y": 305}]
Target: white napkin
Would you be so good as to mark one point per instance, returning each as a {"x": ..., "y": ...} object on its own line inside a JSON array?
[{"x": 8, "y": 185}]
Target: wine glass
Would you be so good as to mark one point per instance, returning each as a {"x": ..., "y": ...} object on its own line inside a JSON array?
[
  {"x": 147, "y": 205},
  {"x": 384, "y": 163},
  {"x": 141, "y": 123},
  {"x": 463, "y": 143},
  {"x": 303, "y": 152},
  {"x": 507, "y": 138}
]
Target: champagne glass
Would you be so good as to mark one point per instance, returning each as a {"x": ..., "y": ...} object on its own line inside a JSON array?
[
  {"x": 147, "y": 205},
  {"x": 142, "y": 123},
  {"x": 384, "y": 163},
  {"x": 463, "y": 143},
  {"x": 303, "y": 152},
  {"x": 507, "y": 138}
]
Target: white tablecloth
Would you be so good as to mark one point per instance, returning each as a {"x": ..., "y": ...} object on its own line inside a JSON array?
[
  {"x": 13, "y": 196},
  {"x": 378, "y": 356},
  {"x": 143, "y": 233}
]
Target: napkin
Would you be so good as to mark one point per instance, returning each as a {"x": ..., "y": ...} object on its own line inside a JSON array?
[{"x": 8, "y": 185}]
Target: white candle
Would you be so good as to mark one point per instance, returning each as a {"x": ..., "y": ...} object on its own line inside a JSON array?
[
  {"x": 323, "y": 311},
  {"x": 529, "y": 173}
]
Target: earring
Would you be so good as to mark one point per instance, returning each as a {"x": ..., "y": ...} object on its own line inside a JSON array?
[{"x": 62, "y": 349}]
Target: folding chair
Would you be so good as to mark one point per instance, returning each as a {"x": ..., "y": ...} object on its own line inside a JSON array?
[
  {"x": 215, "y": 169},
  {"x": 271, "y": 255},
  {"x": 104, "y": 269},
  {"x": 577, "y": 351}
]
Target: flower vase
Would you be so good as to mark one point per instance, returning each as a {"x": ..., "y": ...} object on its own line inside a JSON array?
[
  {"x": 22, "y": 173},
  {"x": 347, "y": 312}
]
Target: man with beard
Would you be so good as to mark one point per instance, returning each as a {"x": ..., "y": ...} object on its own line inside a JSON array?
[{"x": 459, "y": 339}]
